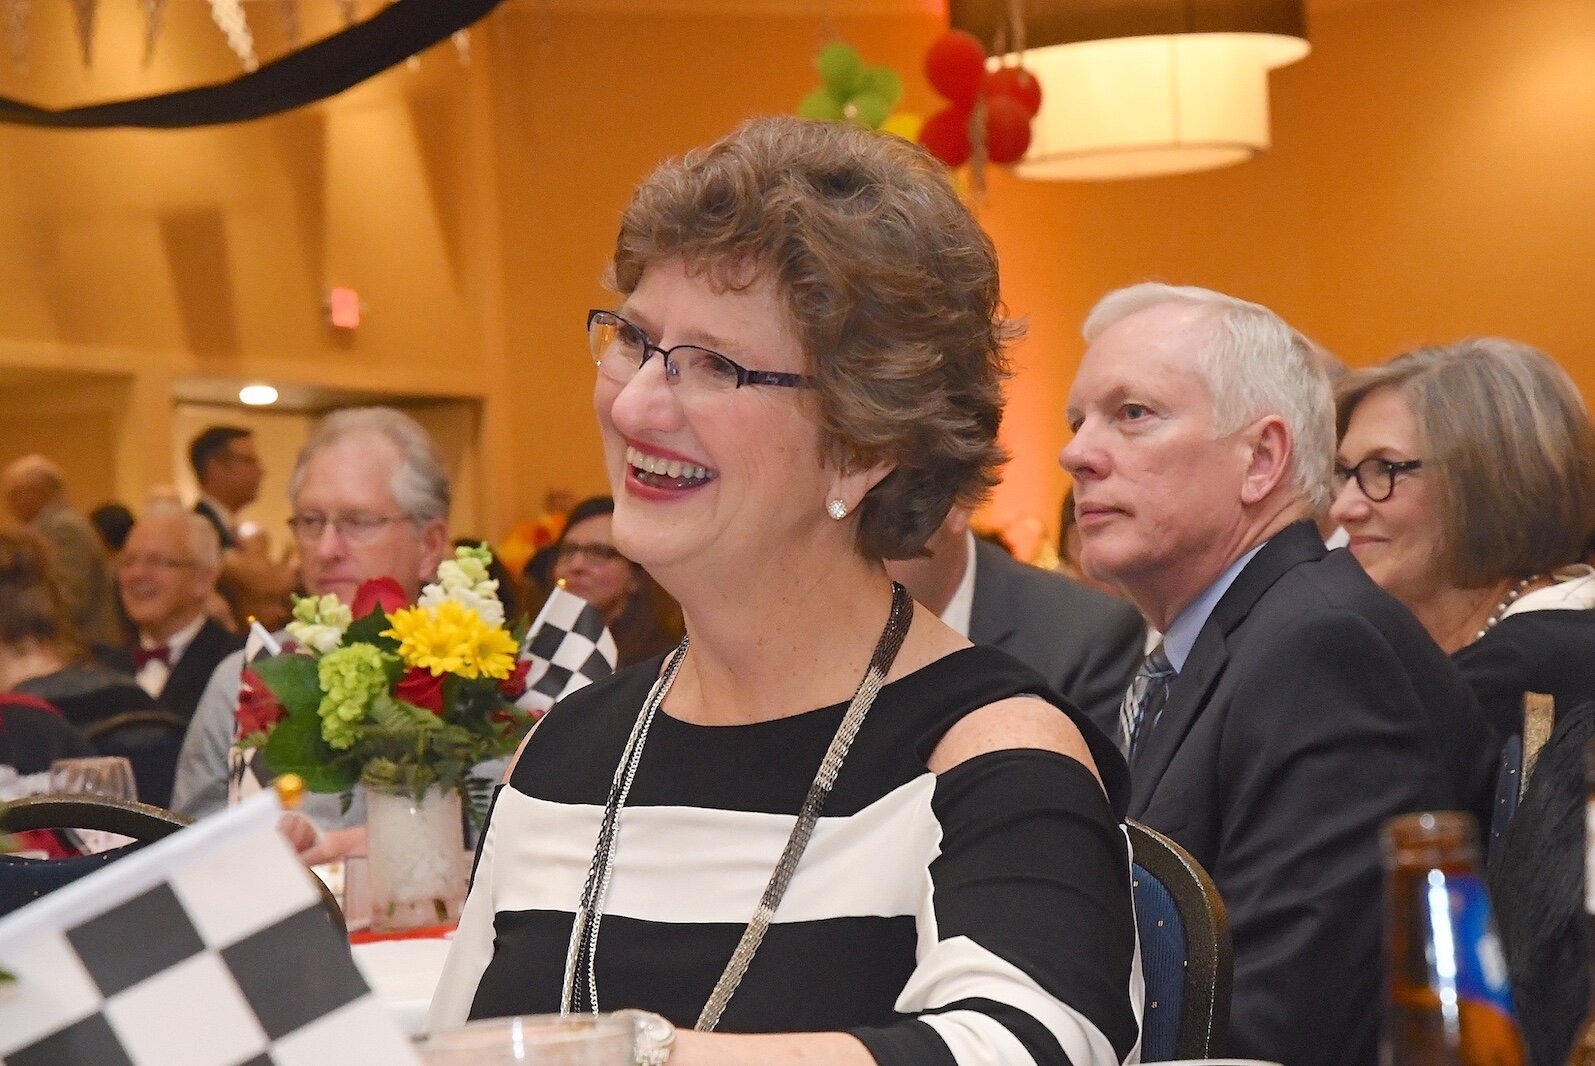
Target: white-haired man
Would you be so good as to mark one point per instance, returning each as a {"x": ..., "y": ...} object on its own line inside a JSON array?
[
  {"x": 1291, "y": 706},
  {"x": 166, "y": 573},
  {"x": 370, "y": 499}
]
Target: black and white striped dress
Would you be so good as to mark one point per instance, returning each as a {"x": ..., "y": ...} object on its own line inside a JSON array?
[{"x": 980, "y": 916}]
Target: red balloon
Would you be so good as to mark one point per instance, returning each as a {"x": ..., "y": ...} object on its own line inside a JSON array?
[
  {"x": 1018, "y": 84},
  {"x": 955, "y": 65},
  {"x": 945, "y": 135},
  {"x": 1007, "y": 129}
]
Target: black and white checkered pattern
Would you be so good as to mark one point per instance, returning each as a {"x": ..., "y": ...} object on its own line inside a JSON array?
[
  {"x": 192, "y": 952},
  {"x": 569, "y": 647}
]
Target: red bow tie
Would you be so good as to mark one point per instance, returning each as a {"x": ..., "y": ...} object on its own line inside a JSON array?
[{"x": 144, "y": 656}]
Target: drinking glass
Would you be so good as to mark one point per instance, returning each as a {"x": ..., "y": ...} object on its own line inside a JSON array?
[
  {"x": 534, "y": 1040},
  {"x": 106, "y": 775}
]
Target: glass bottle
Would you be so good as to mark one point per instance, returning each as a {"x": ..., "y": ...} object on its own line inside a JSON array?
[
  {"x": 1448, "y": 1001},
  {"x": 1583, "y": 1053}
]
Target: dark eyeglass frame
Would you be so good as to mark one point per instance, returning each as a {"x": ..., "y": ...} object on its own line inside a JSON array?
[
  {"x": 672, "y": 374},
  {"x": 607, "y": 553},
  {"x": 354, "y": 528},
  {"x": 1392, "y": 469}
]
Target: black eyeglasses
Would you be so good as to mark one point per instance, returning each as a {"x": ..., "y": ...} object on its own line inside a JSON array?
[
  {"x": 620, "y": 349},
  {"x": 598, "y": 553},
  {"x": 1376, "y": 477}
]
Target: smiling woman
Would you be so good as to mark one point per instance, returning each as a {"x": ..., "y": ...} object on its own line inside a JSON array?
[
  {"x": 809, "y": 833},
  {"x": 1467, "y": 486}
]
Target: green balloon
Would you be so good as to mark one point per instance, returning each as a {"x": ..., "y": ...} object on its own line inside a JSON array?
[
  {"x": 884, "y": 83},
  {"x": 868, "y": 109},
  {"x": 821, "y": 104},
  {"x": 840, "y": 68}
]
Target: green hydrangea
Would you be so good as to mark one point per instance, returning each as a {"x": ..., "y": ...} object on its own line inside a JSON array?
[{"x": 350, "y": 679}]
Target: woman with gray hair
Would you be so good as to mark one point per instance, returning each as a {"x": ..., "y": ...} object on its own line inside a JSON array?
[
  {"x": 1466, "y": 481},
  {"x": 825, "y": 825}
]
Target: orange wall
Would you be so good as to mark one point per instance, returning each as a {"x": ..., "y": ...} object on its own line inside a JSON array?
[{"x": 1430, "y": 178}]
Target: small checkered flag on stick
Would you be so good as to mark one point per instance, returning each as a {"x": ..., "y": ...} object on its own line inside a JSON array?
[
  {"x": 247, "y": 772},
  {"x": 569, "y": 647},
  {"x": 208, "y": 948}
]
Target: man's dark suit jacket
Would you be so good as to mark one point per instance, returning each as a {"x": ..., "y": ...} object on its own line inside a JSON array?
[
  {"x": 1086, "y": 643},
  {"x": 1312, "y": 707},
  {"x": 223, "y": 533},
  {"x": 192, "y": 673}
]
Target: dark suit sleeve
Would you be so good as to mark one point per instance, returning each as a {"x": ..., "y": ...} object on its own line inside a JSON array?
[
  {"x": 1100, "y": 677},
  {"x": 1324, "y": 741}
]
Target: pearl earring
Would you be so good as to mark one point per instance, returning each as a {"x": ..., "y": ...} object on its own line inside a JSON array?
[{"x": 836, "y": 509}]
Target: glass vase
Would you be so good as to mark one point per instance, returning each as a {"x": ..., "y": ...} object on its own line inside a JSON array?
[{"x": 418, "y": 867}]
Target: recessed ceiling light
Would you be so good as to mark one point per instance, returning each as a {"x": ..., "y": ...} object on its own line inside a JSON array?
[{"x": 257, "y": 395}]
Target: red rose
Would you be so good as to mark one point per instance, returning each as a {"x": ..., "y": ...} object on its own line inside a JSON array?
[
  {"x": 514, "y": 686},
  {"x": 383, "y": 592},
  {"x": 258, "y": 707},
  {"x": 420, "y": 687}
]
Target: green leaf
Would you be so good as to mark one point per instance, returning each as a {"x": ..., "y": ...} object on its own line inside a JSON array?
[
  {"x": 368, "y": 630},
  {"x": 292, "y": 679},
  {"x": 295, "y": 746}
]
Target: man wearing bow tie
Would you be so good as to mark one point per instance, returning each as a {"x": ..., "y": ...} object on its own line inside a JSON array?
[
  {"x": 166, "y": 572},
  {"x": 1291, "y": 705}
]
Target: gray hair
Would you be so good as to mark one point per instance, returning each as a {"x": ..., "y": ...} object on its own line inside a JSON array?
[
  {"x": 420, "y": 484},
  {"x": 203, "y": 543},
  {"x": 1254, "y": 364}
]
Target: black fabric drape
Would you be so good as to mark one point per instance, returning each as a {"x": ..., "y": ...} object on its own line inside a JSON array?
[{"x": 304, "y": 76}]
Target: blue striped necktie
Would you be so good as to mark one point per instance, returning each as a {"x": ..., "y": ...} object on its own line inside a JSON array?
[{"x": 1144, "y": 700}]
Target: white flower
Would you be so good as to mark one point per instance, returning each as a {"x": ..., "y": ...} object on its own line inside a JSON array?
[
  {"x": 485, "y": 603},
  {"x": 319, "y": 622}
]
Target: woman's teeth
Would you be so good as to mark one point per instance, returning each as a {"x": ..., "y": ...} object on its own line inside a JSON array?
[{"x": 669, "y": 469}]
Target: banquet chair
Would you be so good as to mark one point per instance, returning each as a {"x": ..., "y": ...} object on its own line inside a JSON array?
[
  {"x": 22, "y": 879},
  {"x": 1185, "y": 950},
  {"x": 150, "y": 740}
]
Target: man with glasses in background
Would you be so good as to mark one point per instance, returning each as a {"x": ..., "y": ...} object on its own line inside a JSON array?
[
  {"x": 165, "y": 575},
  {"x": 370, "y": 499},
  {"x": 1291, "y": 706}
]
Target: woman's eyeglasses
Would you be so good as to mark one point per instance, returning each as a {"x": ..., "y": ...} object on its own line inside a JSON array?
[
  {"x": 1376, "y": 477},
  {"x": 597, "y": 553},
  {"x": 620, "y": 349}
]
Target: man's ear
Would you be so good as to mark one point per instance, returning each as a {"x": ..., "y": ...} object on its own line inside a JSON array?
[
  {"x": 1269, "y": 449},
  {"x": 434, "y": 548}
]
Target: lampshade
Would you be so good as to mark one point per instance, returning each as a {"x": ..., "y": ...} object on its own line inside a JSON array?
[{"x": 1133, "y": 88}]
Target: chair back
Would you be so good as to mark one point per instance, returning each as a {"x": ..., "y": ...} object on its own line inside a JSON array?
[
  {"x": 23, "y": 880},
  {"x": 1186, "y": 956},
  {"x": 151, "y": 741}
]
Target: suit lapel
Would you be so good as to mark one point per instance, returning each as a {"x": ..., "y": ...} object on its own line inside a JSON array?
[
  {"x": 1193, "y": 687},
  {"x": 991, "y": 619}
]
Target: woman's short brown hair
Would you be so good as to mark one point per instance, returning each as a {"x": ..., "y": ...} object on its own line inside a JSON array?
[
  {"x": 891, "y": 287},
  {"x": 31, "y": 606},
  {"x": 1510, "y": 453}
]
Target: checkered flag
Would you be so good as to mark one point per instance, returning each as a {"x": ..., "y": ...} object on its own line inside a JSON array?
[
  {"x": 208, "y": 948},
  {"x": 569, "y": 647}
]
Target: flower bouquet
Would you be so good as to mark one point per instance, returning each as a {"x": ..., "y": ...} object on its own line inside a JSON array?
[{"x": 403, "y": 700}]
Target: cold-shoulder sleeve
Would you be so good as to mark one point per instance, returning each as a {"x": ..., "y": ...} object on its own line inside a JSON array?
[{"x": 1027, "y": 949}]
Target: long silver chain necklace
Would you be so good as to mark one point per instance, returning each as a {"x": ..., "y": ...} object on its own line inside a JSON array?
[{"x": 583, "y": 949}]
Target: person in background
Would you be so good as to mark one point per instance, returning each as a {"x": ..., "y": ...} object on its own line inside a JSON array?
[
  {"x": 370, "y": 499},
  {"x": 802, "y": 377},
  {"x": 228, "y": 471},
  {"x": 113, "y": 522},
  {"x": 41, "y": 658},
  {"x": 1466, "y": 481},
  {"x": 642, "y": 617},
  {"x": 1085, "y": 643},
  {"x": 35, "y": 492},
  {"x": 166, "y": 575},
  {"x": 1291, "y": 705}
]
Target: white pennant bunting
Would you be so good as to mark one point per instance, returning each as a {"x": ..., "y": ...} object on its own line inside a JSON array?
[
  {"x": 462, "y": 46},
  {"x": 288, "y": 13},
  {"x": 350, "y": 12},
  {"x": 17, "y": 31},
  {"x": 229, "y": 18},
  {"x": 154, "y": 19},
  {"x": 83, "y": 12}
]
